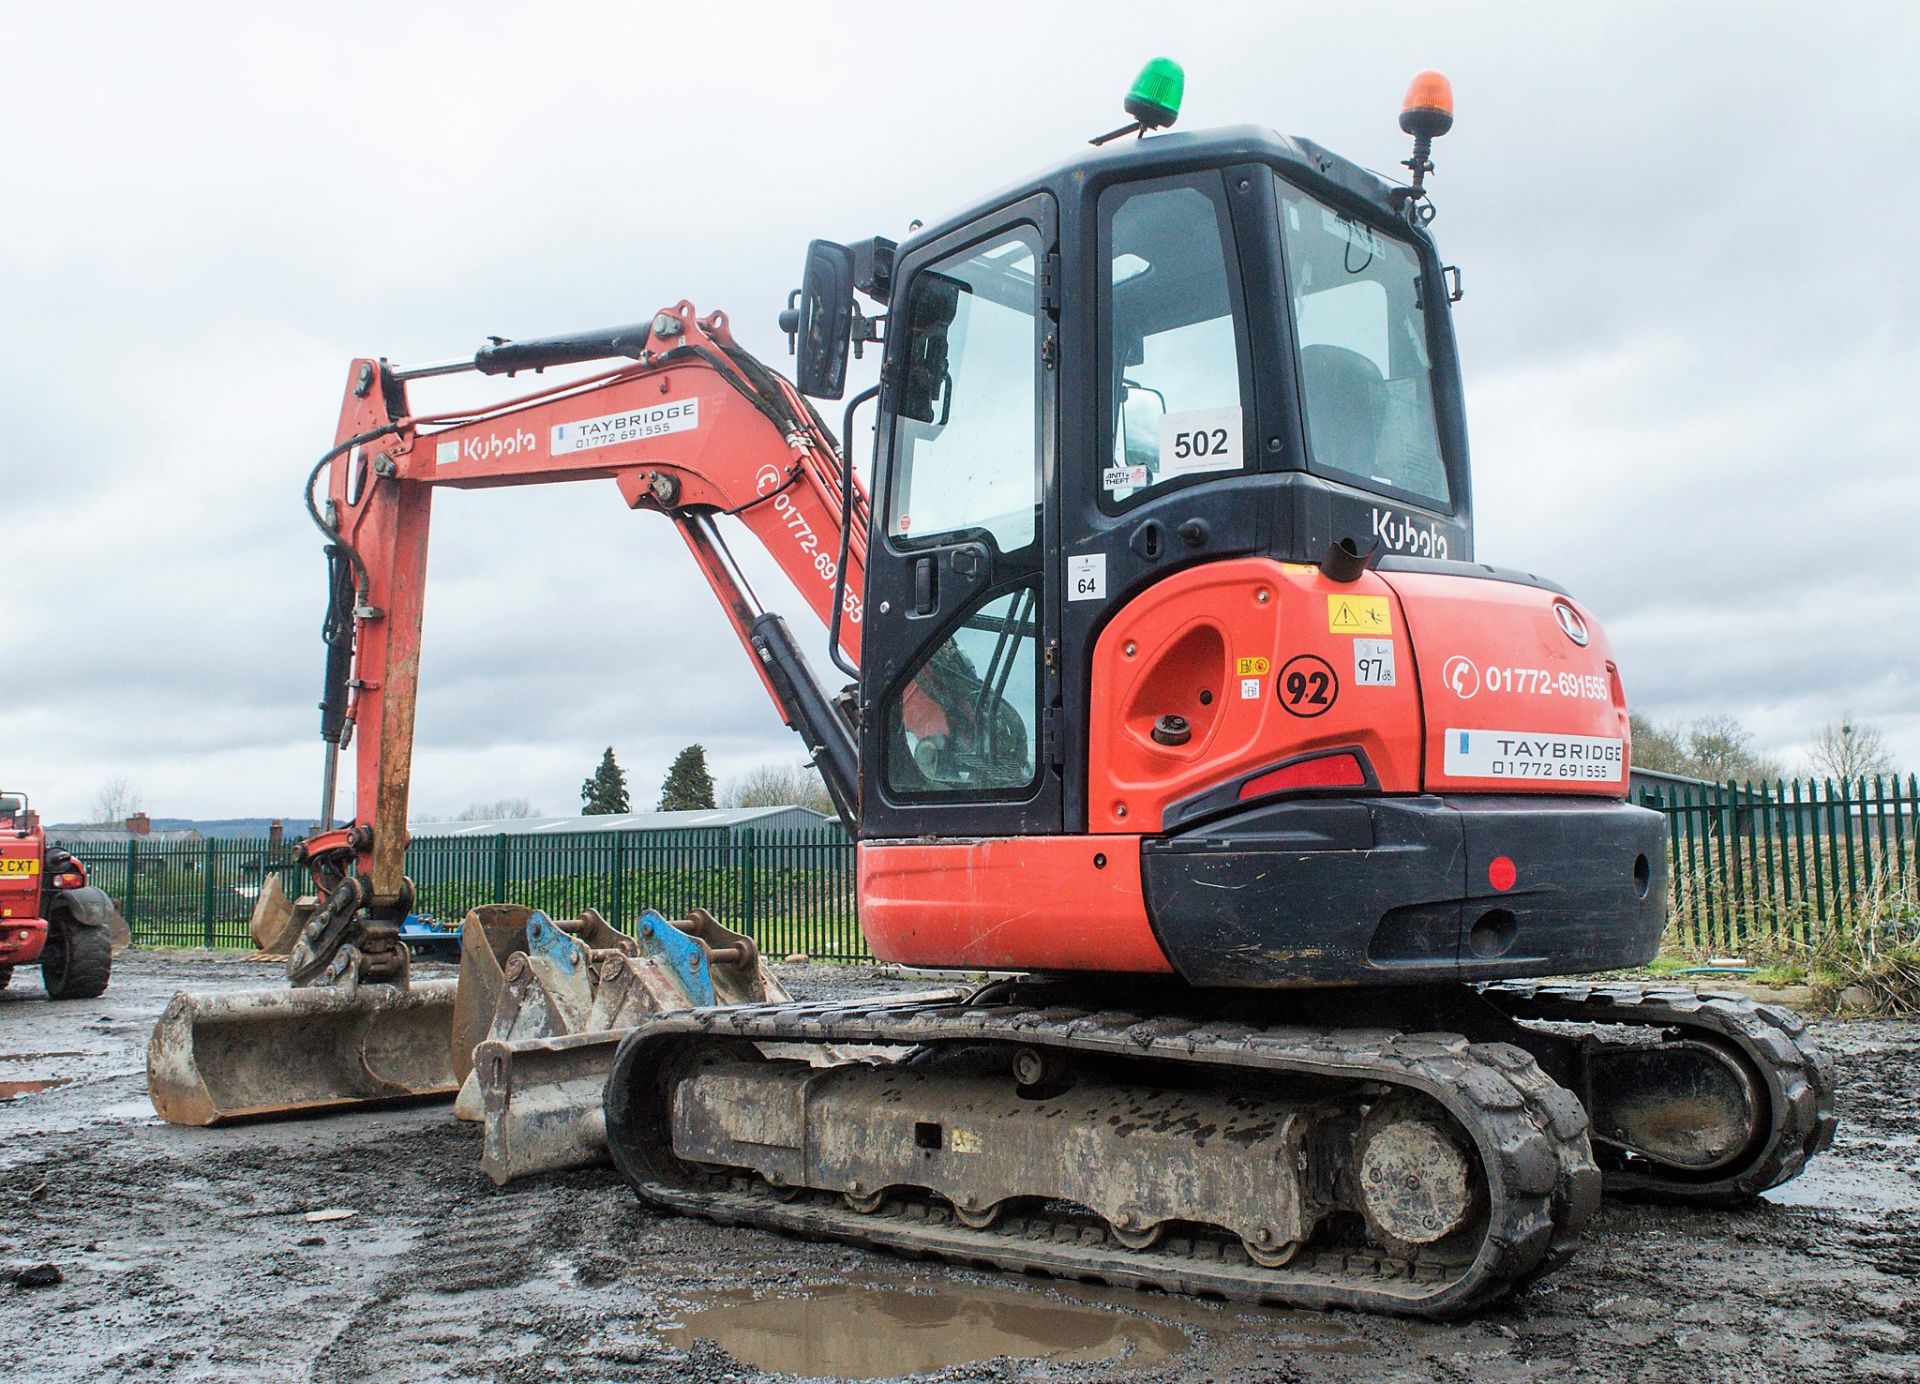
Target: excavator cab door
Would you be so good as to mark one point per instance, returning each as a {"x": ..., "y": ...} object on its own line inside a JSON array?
[{"x": 960, "y": 662}]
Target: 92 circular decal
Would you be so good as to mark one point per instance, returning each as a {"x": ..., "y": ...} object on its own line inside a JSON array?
[{"x": 1307, "y": 686}]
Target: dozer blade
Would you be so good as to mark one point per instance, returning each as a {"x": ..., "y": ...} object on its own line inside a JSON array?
[
  {"x": 541, "y": 1084},
  {"x": 252, "y": 1053}
]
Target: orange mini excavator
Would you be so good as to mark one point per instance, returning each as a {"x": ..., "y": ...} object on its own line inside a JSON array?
[{"x": 1177, "y": 690}]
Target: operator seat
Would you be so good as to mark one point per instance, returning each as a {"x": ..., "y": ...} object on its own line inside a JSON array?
[{"x": 1346, "y": 408}]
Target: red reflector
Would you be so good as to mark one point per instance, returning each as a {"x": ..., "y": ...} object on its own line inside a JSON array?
[
  {"x": 1501, "y": 873},
  {"x": 1327, "y": 771}
]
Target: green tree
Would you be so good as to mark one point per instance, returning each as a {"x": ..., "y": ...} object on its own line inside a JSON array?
[
  {"x": 688, "y": 785},
  {"x": 605, "y": 794}
]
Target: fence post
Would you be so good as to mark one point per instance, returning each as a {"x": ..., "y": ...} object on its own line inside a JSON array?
[
  {"x": 206, "y": 895},
  {"x": 748, "y": 892},
  {"x": 133, "y": 870},
  {"x": 500, "y": 868},
  {"x": 617, "y": 886}
]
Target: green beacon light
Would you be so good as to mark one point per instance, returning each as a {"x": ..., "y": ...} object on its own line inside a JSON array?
[{"x": 1154, "y": 99}]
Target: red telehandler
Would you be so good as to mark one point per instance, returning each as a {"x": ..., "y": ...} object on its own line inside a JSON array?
[
  {"x": 49, "y": 914},
  {"x": 1176, "y": 689}
]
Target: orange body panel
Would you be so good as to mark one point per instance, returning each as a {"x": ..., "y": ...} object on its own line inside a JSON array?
[
  {"x": 1495, "y": 658},
  {"x": 1019, "y": 903},
  {"x": 1265, "y": 660},
  {"x": 1212, "y": 644}
]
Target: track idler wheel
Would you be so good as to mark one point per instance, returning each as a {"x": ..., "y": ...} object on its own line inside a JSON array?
[{"x": 1418, "y": 1183}]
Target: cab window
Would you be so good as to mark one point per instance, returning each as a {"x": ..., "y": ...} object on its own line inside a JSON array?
[
  {"x": 964, "y": 723},
  {"x": 1365, "y": 374},
  {"x": 1174, "y": 380},
  {"x": 967, "y": 444}
]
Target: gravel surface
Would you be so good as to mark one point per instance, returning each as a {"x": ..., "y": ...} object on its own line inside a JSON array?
[{"x": 187, "y": 1254}]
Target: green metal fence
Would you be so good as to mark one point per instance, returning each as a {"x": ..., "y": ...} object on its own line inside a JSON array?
[
  {"x": 1785, "y": 860},
  {"x": 791, "y": 891},
  {"x": 1755, "y": 861}
]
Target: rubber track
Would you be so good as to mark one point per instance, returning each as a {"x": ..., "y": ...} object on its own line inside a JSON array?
[
  {"x": 1529, "y": 1131},
  {"x": 1797, "y": 1077}
]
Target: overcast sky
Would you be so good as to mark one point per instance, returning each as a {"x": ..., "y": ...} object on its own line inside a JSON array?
[{"x": 1689, "y": 333}]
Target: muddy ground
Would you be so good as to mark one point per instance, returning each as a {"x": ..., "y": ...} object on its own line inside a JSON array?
[{"x": 186, "y": 1254}]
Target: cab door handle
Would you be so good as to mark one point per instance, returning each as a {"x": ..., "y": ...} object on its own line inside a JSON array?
[{"x": 926, "y": 588}]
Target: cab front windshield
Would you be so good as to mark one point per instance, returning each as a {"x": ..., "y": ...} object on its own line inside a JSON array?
[{"x": 1361, "y": 329}]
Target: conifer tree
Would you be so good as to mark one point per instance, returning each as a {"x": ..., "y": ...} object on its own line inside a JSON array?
[
  {"x": 605, "y": 794},
  {"x": 688, "y": 785}
]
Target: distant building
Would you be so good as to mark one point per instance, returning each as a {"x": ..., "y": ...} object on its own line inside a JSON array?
[
  {"x": 139, "y": 827},
  {"x": 720, "y": 819}
]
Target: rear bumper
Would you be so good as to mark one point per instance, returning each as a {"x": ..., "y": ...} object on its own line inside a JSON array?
[
  {"x": 1407, "y": 890},
  {"x": 22, "y": 940}
]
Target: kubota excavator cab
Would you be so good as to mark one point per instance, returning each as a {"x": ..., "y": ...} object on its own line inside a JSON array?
[{"x": 1173, "y": 642}]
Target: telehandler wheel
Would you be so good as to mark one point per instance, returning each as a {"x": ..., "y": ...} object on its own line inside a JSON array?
[{"x": 77, "y": 959}]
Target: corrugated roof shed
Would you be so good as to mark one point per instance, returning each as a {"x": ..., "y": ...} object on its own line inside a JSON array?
[
  {"x": 117, "y": 836},
  {"x": 716, "y": 819}
]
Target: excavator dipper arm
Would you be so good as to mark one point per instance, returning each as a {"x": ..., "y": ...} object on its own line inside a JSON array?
[{"x": 689, "y": 425}]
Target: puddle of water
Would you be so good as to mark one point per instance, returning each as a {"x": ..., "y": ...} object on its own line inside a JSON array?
[
  {"x": 1833, "y": 1186},
  {"x": 859, "y": 1331},
  {"x": 13, "y": 1090}
]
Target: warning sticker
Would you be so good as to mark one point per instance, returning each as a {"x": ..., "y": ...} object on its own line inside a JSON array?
[
  {"x": 635, "y": 425},
  {"x": 1359, "y": 615},
  {"x": 1373, "y": 663},
  {"x": 1523, "y": 754},
  {"x": 1253, "y": 667},
  {"x": 1249, "y": 689},
  {"x": 1123, "y": 477}
]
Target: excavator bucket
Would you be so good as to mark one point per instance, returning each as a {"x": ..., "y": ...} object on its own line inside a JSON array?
[
  {"x": 252, "y": 1053},
  {"x": 540, "y": 1077},
  {"x": 277, "y": 919}
]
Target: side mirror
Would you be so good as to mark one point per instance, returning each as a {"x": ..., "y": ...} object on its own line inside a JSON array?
[
  {"x": 824, "y": 321},
  {"x": 1141, "y": 409},
  {"x": 927, "y": 396}
]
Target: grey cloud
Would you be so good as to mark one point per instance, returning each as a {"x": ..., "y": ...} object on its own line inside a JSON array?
[{"x": 1689, "y": 332}]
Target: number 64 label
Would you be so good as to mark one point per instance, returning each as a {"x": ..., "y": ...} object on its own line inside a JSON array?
[{"x": 1206, "y": 439}]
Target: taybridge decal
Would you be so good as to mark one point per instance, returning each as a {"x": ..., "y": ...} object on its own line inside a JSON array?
[
  {"x": 1522, "y": 754},
  {"x": 635, "y": 425}
]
